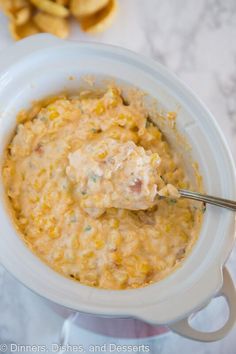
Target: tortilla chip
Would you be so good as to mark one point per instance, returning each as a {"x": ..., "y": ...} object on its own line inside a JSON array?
[
  {"x": 101, "y": 20},
  {"x": 19, "y": 32},
  {"x": 51, "y": 24},
  {"x": 51, "y": 7},
  {"x": 10, "y": 7},
  {"x": 86, "y": 7},
  {"x": 9, "y": 4},
  {"x": 21, "y": 16}
]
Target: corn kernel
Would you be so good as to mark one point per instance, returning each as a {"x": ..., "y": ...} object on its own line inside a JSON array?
[
  {"x": 37, "y": 186},
  {"x": 113, "y": 103},
  {"x": 171, "y": 115},
  {"x": 154, "y": 132},
  {"x": 172, "y": 165},
  {"x": 42, "y": 171},
  {"x": 122, "y": 116},
  {"x": 154, "y": 159},
  {"x": 83, "y": 202},
  {"x": 184, "y": 237},
  {"x": 115, "y": 257},
  {"x": 102, "y": 155},
  {"x": 118, "y": 258},
  {"x": 88, "y": 255},
  {"x": 99, "y": 244},
  {"x": 115, "y": 134},
  {"x": 188, "y": 217},
  {"x": 45, "y": 207},
  {"x": 58, "y": 255},
  {"x": 115, "y": 223},
  {"x": 182, "y": 185},
  {"x": 23, "y": 221},
  {"x": 52, "y": 108},
  {"x": 53, "y": 115},
  {"x": 168, "y": 228},
  {"x": 75, "y": 243},
  {"x": 99, "y": 108},
  {"x": 53, "y": 233},
  {"x": 121, "y": 277},
  {"x": 145, "y": 267},
  {"x": 125, "y": 119}
]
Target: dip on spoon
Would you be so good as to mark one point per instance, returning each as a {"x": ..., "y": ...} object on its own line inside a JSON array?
[{"x": 111, "y": 174}]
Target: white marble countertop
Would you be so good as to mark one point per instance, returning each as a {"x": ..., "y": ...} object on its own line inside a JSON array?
[{"x": 196, "y": 40}]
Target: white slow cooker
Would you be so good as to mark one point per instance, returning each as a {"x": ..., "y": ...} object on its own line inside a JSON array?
[{"x": 41, "y": 65}]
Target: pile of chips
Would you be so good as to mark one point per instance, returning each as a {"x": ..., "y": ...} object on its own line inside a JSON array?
[{"x": 27, "y": 17}]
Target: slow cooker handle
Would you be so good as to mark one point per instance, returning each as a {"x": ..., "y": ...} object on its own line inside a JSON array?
[{"x": 228, "y": 290}]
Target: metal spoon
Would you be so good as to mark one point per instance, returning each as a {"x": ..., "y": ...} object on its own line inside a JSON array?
[{"x": 224, "y": 203}]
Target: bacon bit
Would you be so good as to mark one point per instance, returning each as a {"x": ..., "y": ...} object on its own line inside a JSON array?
[
  {"x": 146, "y": 217},
  {"x": 180, "y": 253},
  {"x": 137, "y": 186},
  {"x": 39, "y": 149}
]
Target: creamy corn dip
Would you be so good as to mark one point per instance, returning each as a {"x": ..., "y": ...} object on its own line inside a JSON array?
[
  {"x": 76, "y": 173},
  {"x": 114, "y": 174}
]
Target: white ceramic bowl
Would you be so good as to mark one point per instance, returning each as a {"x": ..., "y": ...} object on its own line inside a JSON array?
[{"x": 41, "y": 65}]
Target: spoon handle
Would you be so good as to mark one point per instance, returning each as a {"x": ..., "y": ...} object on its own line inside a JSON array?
[{"x": 225, "y": 203}]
